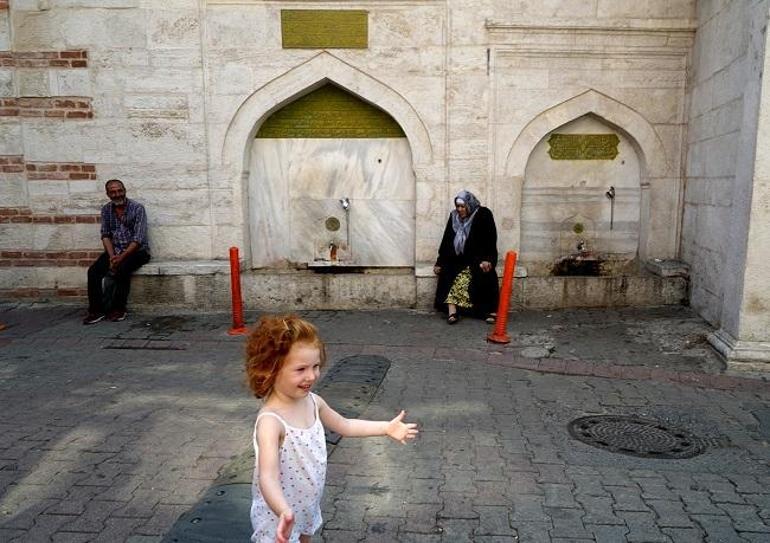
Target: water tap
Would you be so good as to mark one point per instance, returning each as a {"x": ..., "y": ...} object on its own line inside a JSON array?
[{"x": 581, "y": 245}]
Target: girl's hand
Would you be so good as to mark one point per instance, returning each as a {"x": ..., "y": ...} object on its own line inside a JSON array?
[
  {"x": 485, "y": 265},
  {"x": 399, "y": 430},
  {"x": 285, "y": 524}
]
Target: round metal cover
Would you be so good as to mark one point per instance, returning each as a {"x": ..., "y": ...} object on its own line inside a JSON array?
[
  {"x": 332, "y": 224},
  {"x": 635, "y": 436}
]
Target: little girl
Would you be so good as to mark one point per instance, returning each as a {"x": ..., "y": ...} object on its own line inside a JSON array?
[{"x": 284, "y": 356}]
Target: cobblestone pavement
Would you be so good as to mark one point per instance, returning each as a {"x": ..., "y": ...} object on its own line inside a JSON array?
[{"x": 110, "y": 432}]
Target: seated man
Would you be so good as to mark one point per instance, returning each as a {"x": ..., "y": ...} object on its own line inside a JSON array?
[{"x": 124, "y": 236}]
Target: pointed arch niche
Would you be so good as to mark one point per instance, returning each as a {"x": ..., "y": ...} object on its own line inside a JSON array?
[
  {"x": 565, "y": 208},
  {"x": 656, "y": 202},
  {"x": 331, "y": 183},
  {"x": 292, "y": 186}
]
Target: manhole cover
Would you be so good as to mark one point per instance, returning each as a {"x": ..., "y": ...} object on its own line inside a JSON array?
[{"x": 635, "y": 436}]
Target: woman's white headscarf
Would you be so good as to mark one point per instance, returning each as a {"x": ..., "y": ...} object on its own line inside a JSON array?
[{"x": 463, "y": 227}]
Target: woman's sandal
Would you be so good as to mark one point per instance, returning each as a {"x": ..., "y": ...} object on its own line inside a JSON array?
[{"x": 453, "y": 318}]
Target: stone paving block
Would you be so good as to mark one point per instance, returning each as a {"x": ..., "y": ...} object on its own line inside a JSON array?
[
  {"x": 141, "y": 505},
  {"x": 747, "y": 484},
  {"x": 529, "y": 508},
  {"x": 551, "y": 473},
  {"x": 588, "y": 485},
  {"x": 607, "y": 534},
  {"x": 45, "y": 526},
  {"x": 642, "y": 527},
  {"x": 162, "y": 519},
  {"x": 699, "y": 502},
  {"x": 681, "y": 481},
  {"x": 671, "y": 514},
  {"x": 12, "y": 534},
  {"x": 347, "y": 513},
  {"x": 93, "y": 517},
  {"x": 424, "y": 491},
  {"x": 421, "y": 518},
  {"x": 559, "y": 495},
  {"x": 117, "y": 529},
  {"x": 717, "y": 528},
  {"x": 656, "y": 489},
  {"x": 455, "y": 529},
  {"x": 745, "y": 518},
  {"x": 457, "y": 506},
  {"x": 567, "y": 523},
  {"x": 20, "y": 513},
  {"x": 598, "y": 510},
  {"x": 727, "y": 498},
  {"x": 493, "y": 539},
  {"x": 494, "y": 520},
  {"x": 533, "y": 532},
  {"x": 70, "y": 537},
  {"x": 492, "y": 493},
  {"x": 684, "y": 535},
  {"x": 627, "y": 498},
  {"x": 410, "y": 537},
  {"x": 380, "y": 528},
  {"x": 342, "y": 536}
]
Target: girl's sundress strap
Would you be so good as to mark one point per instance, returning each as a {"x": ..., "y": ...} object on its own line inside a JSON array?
[{"x": 262, "y": 414}]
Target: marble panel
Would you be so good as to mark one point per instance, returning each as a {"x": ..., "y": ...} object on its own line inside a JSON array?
[
  {"x": 562, "y": 196},
  {"x": 5, "y": 35},
  {"x": 6, "y": 83},
  {"x": 11, "y": 142},
  {"x": 295, "y": 185}
]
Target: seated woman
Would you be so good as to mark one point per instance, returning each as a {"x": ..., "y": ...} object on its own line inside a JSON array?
[{"x": 466, "y": 262}]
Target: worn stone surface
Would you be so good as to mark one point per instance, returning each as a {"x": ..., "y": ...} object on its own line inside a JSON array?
[{"x": 137, "y": 435}]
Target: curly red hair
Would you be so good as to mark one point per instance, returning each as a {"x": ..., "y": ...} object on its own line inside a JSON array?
[{"x": 268, "y": 345}]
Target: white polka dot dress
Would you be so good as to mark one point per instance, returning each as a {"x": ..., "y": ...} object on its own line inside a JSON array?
[{"x": 302, "y": 475}]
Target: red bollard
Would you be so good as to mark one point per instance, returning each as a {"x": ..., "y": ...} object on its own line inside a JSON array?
[
  {"x": 235, "y": 290},
  {"x": 499, "y": 335}
]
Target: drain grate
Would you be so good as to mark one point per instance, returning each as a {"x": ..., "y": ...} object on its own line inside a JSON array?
[{"x": 634, "y": 436}]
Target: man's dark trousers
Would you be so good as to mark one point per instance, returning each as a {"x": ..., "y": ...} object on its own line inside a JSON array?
[{"x": 121, "y": 277}]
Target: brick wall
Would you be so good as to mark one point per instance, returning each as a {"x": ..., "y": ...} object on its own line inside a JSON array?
[
  {"x": 62, "y": 107},
  {"x": 47, "y": 259},
  {"x": 3, "y": 4},
  {"x": 11, "y": 164},
  {"x": 72, "y": 58},
  {"x": 65, "y": 171},
  {"x": 25, "y": 215},
  {"x": 49, "y": 171}
]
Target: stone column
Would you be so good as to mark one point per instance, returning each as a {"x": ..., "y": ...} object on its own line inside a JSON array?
[{"x": 744, "y": 336}]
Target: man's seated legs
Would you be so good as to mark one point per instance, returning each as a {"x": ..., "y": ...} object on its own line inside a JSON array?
[
  {"x": 96, "y": 273},
  {"x": 122, "y": 277}
]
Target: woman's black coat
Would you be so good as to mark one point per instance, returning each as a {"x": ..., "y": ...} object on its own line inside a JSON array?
[{"x": 480, "y": 245}]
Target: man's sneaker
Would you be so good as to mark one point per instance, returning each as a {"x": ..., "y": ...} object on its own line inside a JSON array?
[
  {"x": 93, "y": 318},
  {"x": 117, "y": 315}
]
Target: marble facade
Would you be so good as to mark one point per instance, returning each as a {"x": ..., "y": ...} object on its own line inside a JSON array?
[
  {"x": 179, "y": 89},
  {"x": 295, "y": 186}
]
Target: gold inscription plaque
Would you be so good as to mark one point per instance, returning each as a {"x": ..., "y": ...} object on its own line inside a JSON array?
[
  {"x": 324, "y": 29},
  {"x": 330, "y": 112},
  {"x": 583, "y": 146}
]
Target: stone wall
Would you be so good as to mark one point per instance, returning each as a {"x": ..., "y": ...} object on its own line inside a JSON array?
[
  {"x": 168, "y": 96},
  {"x": 726, "y": 234}
]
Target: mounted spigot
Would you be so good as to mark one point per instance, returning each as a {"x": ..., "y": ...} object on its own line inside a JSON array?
[
  {"x": 345, "y": 203},
  {"x": 611, "y": 195},
  {"x": 581, "y": 245}
]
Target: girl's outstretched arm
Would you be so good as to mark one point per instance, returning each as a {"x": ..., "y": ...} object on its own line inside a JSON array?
[
  {"x": 396, "y": 429},
  {"x": 269, "y": 434}
]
